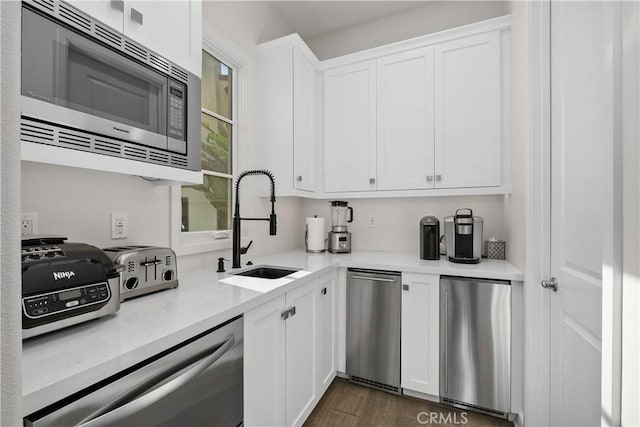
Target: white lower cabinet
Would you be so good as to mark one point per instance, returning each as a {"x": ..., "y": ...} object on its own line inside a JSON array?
[
  {"x": 289, "y": 358},
  {"x": 420, "y": 357}
]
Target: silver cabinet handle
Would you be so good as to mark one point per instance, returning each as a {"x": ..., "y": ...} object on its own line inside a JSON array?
[
  {"x": 372, "y": 180},
  {"x": 299, "y": 178},
  {"x": 446, "y": 341},
  {"x": 429, "y": 178},
  {"x": 550, "y": 284},
  {"x": 438, "y": 177},
  {"x": 123, "y": 406},
  {"x": 118, "y": 5},
  {"x": 405, "y": 287},
  {"x": 375, "y": 279},
  {"x": 292, "y": 310},
  {"x": 136, "y": 16},
  {"x": 323, "y": 291},
  {"x": 285, "y": 314}
]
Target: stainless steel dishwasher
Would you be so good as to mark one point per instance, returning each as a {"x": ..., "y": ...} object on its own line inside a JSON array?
[
  {"x": 475, "y": 344},
  {"x": 373, "y": 328},
  {"x": 196, "y": 383}
]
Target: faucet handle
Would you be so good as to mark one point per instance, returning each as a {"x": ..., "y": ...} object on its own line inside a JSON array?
[{"x": 244, "y": 250}]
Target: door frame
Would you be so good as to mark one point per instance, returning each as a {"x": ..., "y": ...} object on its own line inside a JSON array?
[{"x": 538, "y": 233}]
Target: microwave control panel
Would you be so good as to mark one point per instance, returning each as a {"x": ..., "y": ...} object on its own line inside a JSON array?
[{"x": 177, "y": 110}]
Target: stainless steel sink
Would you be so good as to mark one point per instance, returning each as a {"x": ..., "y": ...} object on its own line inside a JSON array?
[{"x": 267, "y": 272}]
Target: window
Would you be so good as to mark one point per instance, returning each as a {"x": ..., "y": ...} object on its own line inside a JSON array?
[
  {"x": 201, "y": 214},
  {"x": 207, "y": 207}
]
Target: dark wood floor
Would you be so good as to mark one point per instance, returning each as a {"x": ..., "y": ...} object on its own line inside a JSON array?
[{"x": 347, "y": 404}]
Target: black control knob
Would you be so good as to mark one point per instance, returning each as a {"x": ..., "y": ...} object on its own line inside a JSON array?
[
  {"x": 168, "y": 275},
  {"x": 131, "y": 283}
]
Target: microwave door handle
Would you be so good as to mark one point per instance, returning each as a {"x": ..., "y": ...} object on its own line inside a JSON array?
[{"x": 123, "y": 406}]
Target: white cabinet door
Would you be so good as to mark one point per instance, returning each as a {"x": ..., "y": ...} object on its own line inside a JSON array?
[
  {"x": 420, "y": 343},
  {"x": 173, "y": 29},
  {"x": 264, "y": 365},
  {"x": 108, "y": 12},
  {"x": 468, "y": 112},
  {"x": 350, "y": 128},
  {"x": 405, "y": 147},
  {"x": 304, "y": 95},
  {"x": 327, "y": 327},
  {"x": 301, "y": 354}
]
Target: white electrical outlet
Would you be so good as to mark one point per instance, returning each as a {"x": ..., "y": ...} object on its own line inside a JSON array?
[
  {"x": 29, "y": 225},
  {"x": 119, "y": 225},
  {"x": 372, "y": 221}
]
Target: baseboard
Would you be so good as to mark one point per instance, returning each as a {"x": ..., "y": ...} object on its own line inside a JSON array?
[{"x": 419, "y": 395}]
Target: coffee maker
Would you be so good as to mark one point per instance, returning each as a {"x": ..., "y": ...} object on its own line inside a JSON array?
[
  {"x": 339, "y": 237},
  {"x": 430, "y": 238},
  {"x": 463, "y": 235}
]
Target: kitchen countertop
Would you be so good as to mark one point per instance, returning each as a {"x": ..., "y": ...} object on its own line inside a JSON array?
[{"x": 63, "y": 362}]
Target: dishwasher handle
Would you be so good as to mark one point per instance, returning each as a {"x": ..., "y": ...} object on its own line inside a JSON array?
[
  {"x": 374, "y": 279},
  {"x": 134, "y": 400}
]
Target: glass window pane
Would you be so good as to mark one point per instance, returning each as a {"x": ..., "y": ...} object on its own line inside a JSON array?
[
  {"x": 206, "y": 207},
  {"x": 216, "y": 86},
  {"x": 216, "y": 145}
]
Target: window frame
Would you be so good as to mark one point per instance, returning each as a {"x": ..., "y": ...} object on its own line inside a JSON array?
[{"x": 194, "y": 242}]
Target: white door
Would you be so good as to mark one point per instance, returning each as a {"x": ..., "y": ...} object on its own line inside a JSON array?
[
  {"x": 264, "y": 365},
  {"x": 304, "y": 95},
  {"x": 420, "y": 344},
  {"x": 301, "y": 354},
  {"x": 468, "y": 112},
  {"x": 168, "y": 28},
  {"x": 350, "y": 128},
  {"x": 326, "y": 324},
  {"x": 581, "y": 135},
  {"x": 405, "y": 120}
]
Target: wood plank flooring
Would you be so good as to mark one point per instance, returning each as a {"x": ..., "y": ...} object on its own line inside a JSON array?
[{"x": 350, "y": 405}]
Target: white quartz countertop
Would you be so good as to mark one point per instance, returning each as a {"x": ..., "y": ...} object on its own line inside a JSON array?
[{"x": 58, "y": 364}]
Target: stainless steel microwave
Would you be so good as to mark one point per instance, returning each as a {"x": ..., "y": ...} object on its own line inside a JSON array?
[{"x": 88, "y": 87}]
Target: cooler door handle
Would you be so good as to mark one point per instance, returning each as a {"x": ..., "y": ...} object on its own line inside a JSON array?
[{"x": 135, "y": 399}]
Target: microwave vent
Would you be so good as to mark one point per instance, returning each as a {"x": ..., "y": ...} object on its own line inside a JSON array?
[
  {"x": 47, "y": 4},
  {"x": 178, "y": 73},
  {"x": 70, "y": 15},
  {"x": 41, "y": 132},
  {"x": 32, "y": 132},
  {"x": 135, "y": 51},
  {"x": 74, "y": 139},
  {"x": 136, "y": 153},
  {"x": 159, "y": 63},
  {"x": 108, "y": 36}
]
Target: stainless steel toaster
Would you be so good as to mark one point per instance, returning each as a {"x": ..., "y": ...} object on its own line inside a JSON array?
[{"x": 147, "y": 269}]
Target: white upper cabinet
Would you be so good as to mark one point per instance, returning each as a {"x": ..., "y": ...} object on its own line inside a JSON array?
[
  {"x": 172, "y": 29},
  {"x": 350, "y": 128},
  {"x": 405, "y": 121},
  {"x": 468, "y": 144},
  {"x": 288, "y": 82}
]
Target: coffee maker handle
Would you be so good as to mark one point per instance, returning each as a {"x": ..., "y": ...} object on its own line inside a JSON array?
[
  {"x": 350, "y": 214},
  {"x": 470, "y": 215}
]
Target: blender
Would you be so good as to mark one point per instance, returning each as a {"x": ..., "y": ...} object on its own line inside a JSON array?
[{"x": 339, "y": 237}]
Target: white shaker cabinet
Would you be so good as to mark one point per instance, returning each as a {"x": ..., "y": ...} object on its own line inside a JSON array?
[
  {"x": 326, "y": 323},
  {"x": 280, "y": 359},
  {"x": 301, "y": 354},
  {"x": 420, "y": 357},
  {"x": 350, "y": 128},
  {"x": 173, "y": 29},
  {"x": 288, "y": 82},
  {"x": 405, "y": 123},
  {"x": 468, "y": 111}
]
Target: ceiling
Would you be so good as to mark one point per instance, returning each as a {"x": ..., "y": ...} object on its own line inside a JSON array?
[{"x": 315, "y": 18}]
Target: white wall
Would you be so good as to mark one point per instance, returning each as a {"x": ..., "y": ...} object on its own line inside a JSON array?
[
  {"x": 433, "y": 17},
  {"x": 78, "y": 202},
  {"x": 397, "y": 219},
  {"x": 10, "y": 320}
]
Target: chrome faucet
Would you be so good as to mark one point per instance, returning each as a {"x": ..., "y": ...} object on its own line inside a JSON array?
[{"x": 237, "y": 250}]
